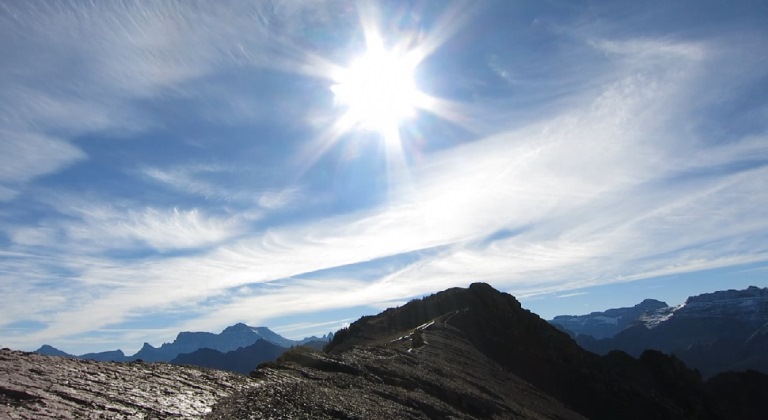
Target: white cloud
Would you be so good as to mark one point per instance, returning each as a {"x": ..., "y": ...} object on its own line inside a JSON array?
[
  {"x": 188, "y": 179},
  {"x": 167, "y": 229},
  {"x": 274, "y": 200},
  {"x": 24, "y": 155}
]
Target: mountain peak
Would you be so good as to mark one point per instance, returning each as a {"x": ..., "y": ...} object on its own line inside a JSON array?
[
  {"x": 483, "y": 287},
  {"x": 48, "y": 350},
  {"x": 482, "y": 300},
  {"x": 237, "y": 328},
  {"x": 652, "y": 303},
  {"x": 608, "y": 323}
]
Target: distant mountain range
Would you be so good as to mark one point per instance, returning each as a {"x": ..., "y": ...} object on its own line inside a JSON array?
[
  {"x": 228, "y": 342},
  {"x": 712, "y": 332},
  {"x": 609, "y": 323}
]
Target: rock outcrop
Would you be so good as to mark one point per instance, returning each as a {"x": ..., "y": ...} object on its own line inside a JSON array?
[{"x": 34, "y": 386}]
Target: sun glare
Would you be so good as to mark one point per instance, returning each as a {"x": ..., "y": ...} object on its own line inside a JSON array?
[{"x": 378, "y": 89}]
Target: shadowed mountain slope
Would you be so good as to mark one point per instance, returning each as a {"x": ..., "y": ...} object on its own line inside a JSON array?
[
  {"x": 433, "y": 371},
  {"x": 242, "y": 360},
  {"x": 713, "y": 332},
  {"x": 519, "y": 341}
]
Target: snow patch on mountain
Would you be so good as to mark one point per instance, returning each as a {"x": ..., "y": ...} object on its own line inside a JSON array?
[
  {"x": 609, "y": 323},
  {"x": 749, "y": 305}
]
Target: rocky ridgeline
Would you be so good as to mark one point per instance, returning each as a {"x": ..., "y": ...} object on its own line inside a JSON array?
[
  {"x": 749, "y": 305},
  {"x": 432, "y": 372}
]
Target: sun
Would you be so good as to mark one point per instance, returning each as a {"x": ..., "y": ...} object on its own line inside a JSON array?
[{"x": 378, "y": 89}]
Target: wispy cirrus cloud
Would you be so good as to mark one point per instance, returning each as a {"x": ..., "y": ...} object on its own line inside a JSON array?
[
  {"x": 192, "y": 179},
  {"x": 28, "y": 155},
  {"x": 103, "y": 228},
  {"x": 622, "y": 174},
  {"x": 188, "y": 179},
  {"x": 79, "y": 86}
]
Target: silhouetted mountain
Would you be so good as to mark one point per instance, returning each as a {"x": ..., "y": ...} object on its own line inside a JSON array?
[
  {"x": 242, "y": 360},
  {"x": 232, "y": 338},
  {"x": 47, "y": 350},
  {"x": 106, "y": 356},
  {"x": 608, "y": 323},
  {"x": 713, "y": 332}
]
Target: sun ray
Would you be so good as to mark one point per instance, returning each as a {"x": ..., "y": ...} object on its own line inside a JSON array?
[
  {"x": 312, "y": 151},
  {"x": 448, "y": 110},
  {"x": 450, "y": 21}
]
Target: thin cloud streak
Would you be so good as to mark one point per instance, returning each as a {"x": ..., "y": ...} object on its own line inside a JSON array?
[{"x": 105, "y": 228}]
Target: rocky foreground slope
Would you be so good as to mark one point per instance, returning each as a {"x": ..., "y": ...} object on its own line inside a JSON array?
[{"x": 34, "y": 386}]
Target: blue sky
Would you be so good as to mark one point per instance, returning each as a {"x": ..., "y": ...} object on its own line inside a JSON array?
[{"x": 170, "y": 166}]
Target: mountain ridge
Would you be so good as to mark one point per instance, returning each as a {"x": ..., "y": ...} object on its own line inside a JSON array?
[
  {"x": 713, "y": 332},
  {"x": 493, "y": 327},
  {"x": 230, "y": 339}
]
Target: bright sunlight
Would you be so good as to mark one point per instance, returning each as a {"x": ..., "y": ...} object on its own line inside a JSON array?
[{"x": 378, "y": 89}]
